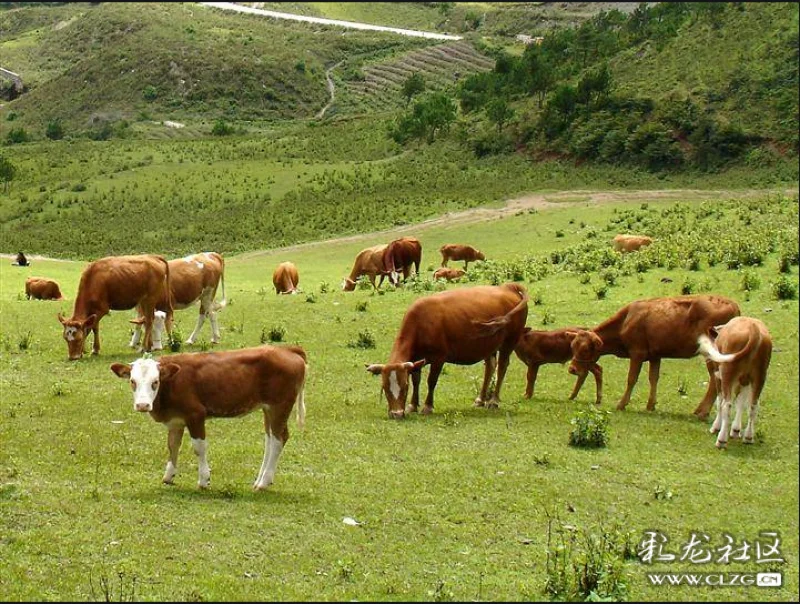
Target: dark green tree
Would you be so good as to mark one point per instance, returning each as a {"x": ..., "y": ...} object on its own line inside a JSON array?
[
  {"x": 499, "y": 112},
  {"x": 414, "y": 84},
  {"x": 7, "y": 172}
]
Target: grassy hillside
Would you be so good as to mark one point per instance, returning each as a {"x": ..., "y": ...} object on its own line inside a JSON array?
[
  {"x": 115, "y": 61},
  {"x": 453, "y": 506}
]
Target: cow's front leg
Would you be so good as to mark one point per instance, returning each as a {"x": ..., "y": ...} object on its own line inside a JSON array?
[
  {"x": 633, "y": 375},
  {"x": 655, "y": 369},
  {"x": 416, "y": 377},
  {"x": 137, "y": 334},
  {"x": 197, "y": 431},
  {"x": 489, "y": 365},
  {"x": 174, "y": 438},
  {"x": 96, "y": 339}
]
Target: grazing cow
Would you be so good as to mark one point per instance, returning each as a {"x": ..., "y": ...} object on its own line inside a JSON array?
[
  {"x": 21, "y": 260},
  {"x": 285, "y": 278},
  {"x": 536, "y": 348},
  {"x": 651, "y": 330},
  {"x": 454, "y": 251},
  {"x": 40, "y": 288},
  {"x": 183, "y": 390},
  {"x": 631, "y": 243},
  {"x": 117, "y": 283},
  {"x": 195, "y": 277},
  {"x": 451, "y": 274},
  {"x": 399, "y": 256},
  {"x": 741, "y": 356},
  {"x": 461, "y": 326},
  {"x": 369, "y": 261}
]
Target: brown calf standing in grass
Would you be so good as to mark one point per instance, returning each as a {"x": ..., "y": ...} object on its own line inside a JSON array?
[
  {"x": 182, "y": 390},
  {"x": 451, "y": 274},
  {"x": 40, "y": 288},
  {"x": 457, "y": 251},
  {"x": 286, "y": 278},
  {"x": 537, "y": 348},
  {"x": 741, "y": 355}
]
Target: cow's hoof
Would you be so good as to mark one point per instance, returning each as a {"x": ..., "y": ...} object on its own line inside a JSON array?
[
  {"x": 621, "y": 406},
  {"x": 427, "y": 410},
  {"x": 713, "y": 429},
  {"x": 478, "y": 403},
  {"x": 189, "y": 342},
  {"x": 748, "y": 441},
  {"x": 492, "y": 405},
  {"x": 721, "y": 445},
  {"x": 411, "y": 409},
  {"x": 735, "y": 433},
  {"x": 651, "y": 406}
]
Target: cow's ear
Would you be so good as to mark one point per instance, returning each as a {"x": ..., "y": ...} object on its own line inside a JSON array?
[
  {"x": 528, "y": 330},
  {"x": 89, "y": 322},
  {"x": 122, "y": 370},
  {"x": 374, "y": 369},
  {"x": 137, "y": 321},
  {"x": 571, "y": 333},
  {"x": 168, "y": 371}
]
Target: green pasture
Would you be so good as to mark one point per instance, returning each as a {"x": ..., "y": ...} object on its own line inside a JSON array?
[{"x": 452, "y": 506}]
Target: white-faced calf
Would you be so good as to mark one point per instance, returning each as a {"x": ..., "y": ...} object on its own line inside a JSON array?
[{"x": 182, "y": 390}]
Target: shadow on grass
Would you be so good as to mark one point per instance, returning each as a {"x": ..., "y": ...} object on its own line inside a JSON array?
[{"x": 226, "y": 492}]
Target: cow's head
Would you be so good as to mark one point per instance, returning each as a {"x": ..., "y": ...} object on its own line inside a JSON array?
[
  {"x": 394, "y": 382},
  {"x": 146, "y": 376},
  {"x": 348, "y": 285},
  {"x": 586, "y": 346},
  {"x": 75, "y": 331},
  {"x": 479, "y": 255}
]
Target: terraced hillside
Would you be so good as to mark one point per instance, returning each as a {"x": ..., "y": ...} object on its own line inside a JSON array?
[{"x": 377, "y": 86}]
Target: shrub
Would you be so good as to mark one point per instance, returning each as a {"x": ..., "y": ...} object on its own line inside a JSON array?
[
  {"x": 221, "y": 128},
  {"x": 589, "y": 428},
  {"x": 54, "y": 130},
  {"x": 275, "y": 334},
  {"x": 175, "y": 340},
  {"x": 361, "y": 306},
  {"x": 365, "y": 340},
  {"x": 784, "y": 289},
  {"x": 750, "y": 281},
  {"x": 150, "y": 93},
  {"x": 688, "y": 287},
  {"x": 17, "y": 135}
]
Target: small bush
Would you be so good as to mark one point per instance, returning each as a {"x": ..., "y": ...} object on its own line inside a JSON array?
[
  {"x": 589, "y": 428},
  {"x": 311, "y": 298},
  {"x": 784, "y": 289},
  {"x": 750, "y": 281},
  {"x": 548, "y": 318},
  {"x": 221, "y": 128},
  {"x": 59, "y": 388},
  {"x": 17, "y": 135},
  {"x": 150, "y": 93},
  {"x": 601, "y": 291},
  {"x": 54, "y": 130},
  {"x": 361, "y": 306},
  {"x": 25, "y": 341},
  {"x": 365, "y": 340},
  {"x": 175, "y": 340},
  {"x": 688, "y": 287},
  {"x": 324, "y": 287},
  {"x": 275, "y": 334}
]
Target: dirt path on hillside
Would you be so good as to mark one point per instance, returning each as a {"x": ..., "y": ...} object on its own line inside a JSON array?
[
  {"x": 539, "y": 201},
  {"x": 331, "y": 90},
  {"x": 533, "y": 201}
]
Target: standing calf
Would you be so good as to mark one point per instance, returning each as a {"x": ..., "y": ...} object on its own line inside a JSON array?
[
  {"x": 182, "y": 390},
  {"x": 537, "y": 348},
  {"x": 741, "y": 356}
]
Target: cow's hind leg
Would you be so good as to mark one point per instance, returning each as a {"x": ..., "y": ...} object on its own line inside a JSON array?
[
  {"x": 489, "y": 365},
  {"x": 502, "y": 367},
  {"x": 710, "y": 396},
  {"x": 174, "y": 438},
  {"x": 742, "y": 398},
  {"x": 533, "y": 371},
  {"x": 277, "y": 433}
]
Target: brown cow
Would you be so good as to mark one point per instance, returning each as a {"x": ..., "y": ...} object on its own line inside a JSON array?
[
  {"x": 451, "y": 274},
  {"x": 192, "y": 278},
  {"x": 651, "y": 330},
  {"x": 454, "y": 251},
  {"x": 631, "y": 243},
  {"x": 399, "y": 256},
  {"x": 741, "y": 356},
  {"x": 285, "y": 278},
  {"x": 536, "y": 348},
  {"x": 461, "y": 326},
  {"x": 117, "y": 283},
  {"x": 40, "y": 288},
  {"x": 183, "y": 390},
  {"x": 369, "y": 261}
]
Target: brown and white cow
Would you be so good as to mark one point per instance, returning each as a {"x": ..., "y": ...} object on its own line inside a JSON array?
[
  {"x": 451, "y": 274},
  {"x": 536, "y": 348},
  {"x": 285, "y": 278},
  {"x": 399, "y": 256},
  {"x": 461, "y": 326},
  {"x": 41, "y": 288},
  {"x": 455, "y": 251},
  {"x": 631, "y": 243},
  {"x": 192, "y": 278},
  {"x": 117, "y": 283},
  {"x": 741, "y": 356},
  {"x": 651, "y": 330},
  {"x": 369, "y": 262},
  {"x": 181, "y": 391}
]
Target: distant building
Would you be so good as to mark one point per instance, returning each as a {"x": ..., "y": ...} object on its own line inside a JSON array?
[{"x": 526, "y": 39}]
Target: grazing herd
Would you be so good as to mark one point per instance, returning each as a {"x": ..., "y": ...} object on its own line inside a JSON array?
[{"x": 463, "y": 326}]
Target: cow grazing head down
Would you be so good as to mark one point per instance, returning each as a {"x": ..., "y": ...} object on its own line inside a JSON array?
[
  {"x": 75, "y": 334},
  {"x": 146, "y": 376},
  {"x": 394, "y": 383},
  {"x": 586, "y": 346}
]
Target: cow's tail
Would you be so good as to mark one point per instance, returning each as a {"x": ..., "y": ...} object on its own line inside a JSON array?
[
  {"x": 301, "y": 400},
  {"x": 709, "y": 350},
  {"x": 222, "y": 303},
  {"x": 489, "y": 328},
  {"x": 169, "y": 307}
]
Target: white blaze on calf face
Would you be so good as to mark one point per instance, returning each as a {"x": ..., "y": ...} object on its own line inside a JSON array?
[
  {"x": 69, "y": 333},
  {"x": 394, "y": 386},
  {"x": 145, "y": 383}
]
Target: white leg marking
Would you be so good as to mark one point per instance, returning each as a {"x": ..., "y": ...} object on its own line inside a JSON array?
[
  {"x": 743, "y": 395},
  {"x": 275, "y": 448},
  {"x": 214, "y": 327},
  {"x": 200, "y": 447},
  {"x": 137, "y": 334},
  {"x": 725, "y": 411},
  {"x": 257, "y": 483},
  {"x": 750, "y": 432},
  {"x": 200, "y": 320},
  {"x": 169, "y": 473},
  {"x": 718, "y": 419}
]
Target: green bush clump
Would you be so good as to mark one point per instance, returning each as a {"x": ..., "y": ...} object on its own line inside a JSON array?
[{"x": 589, "y": 428}]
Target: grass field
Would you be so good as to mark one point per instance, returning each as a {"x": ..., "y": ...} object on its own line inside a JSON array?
[{"x": 453, "y": 506}]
